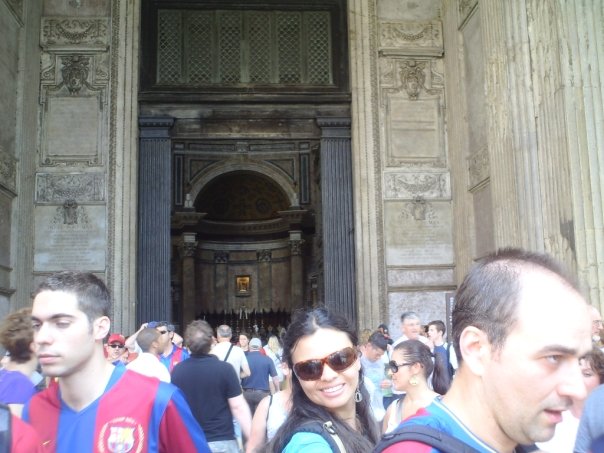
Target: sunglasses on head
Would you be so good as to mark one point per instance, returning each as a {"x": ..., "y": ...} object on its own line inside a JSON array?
[
  {"x": 115, "y": 346},
  {"x": 312, "y": 370},
  {"x": 395, "y": 366}
]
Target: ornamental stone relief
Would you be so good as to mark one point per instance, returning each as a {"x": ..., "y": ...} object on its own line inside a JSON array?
[
  {"x": 84, "y": 187},
  {"x": 8, "y": 171},
  {"x": 411, "y": 38},
  {"x": 412, "y": 185},
  {"x": 61, "y": 31},
  {"x": 478, "y": 167}
]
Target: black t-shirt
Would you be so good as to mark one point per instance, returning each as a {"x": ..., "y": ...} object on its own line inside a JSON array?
[{"x": 207, "y": 384}]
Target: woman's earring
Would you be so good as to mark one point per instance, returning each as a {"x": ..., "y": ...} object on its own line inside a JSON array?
[
  {"x": 413, "y": 380},
  {"x": 358, "y": 396}
]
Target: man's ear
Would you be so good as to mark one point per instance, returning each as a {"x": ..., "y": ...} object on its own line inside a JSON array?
[
  {"x": 100, "y": 327},
  {"x": 475, "y": 349}
]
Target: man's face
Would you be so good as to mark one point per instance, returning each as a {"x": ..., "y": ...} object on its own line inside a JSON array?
[
  {"x": 164, "y": 337},
  {"x": 535, "y": 376},
  {"x": 114, "y": 351},
  {"x": 372, "y": 353},
  {"x": 434, "y": 334},
  {"x": 64, "y": 340},
  {"x": 411, "y": 328}
]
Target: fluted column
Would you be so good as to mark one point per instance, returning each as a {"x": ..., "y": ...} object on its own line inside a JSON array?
[
  {"x": 154, "y": 198},
  {"x": 188, "y": 248},
  {"x": 338, "y": 217}
]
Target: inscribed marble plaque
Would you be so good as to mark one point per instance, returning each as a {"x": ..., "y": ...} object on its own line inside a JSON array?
[
  {"x": 418, "y": 233},
  {"x": 72, "y": 127},
  {"x": 75, "y": 239},
  {"x": 413, "y": 129}
]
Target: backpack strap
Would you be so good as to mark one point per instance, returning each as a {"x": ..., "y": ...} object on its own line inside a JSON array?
[
  {"x": 326, "y": 430},
  {"x": 228, "y": 353},
  {"x": 426, "y": 435}
]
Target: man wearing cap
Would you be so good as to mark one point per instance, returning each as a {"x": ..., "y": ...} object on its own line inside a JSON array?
[
  {"x": 263, "y": 379},
  {"x": 114, "y": 349}
]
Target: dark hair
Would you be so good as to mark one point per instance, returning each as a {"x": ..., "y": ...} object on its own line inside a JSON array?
[
  {"x": 488, "y": 296},
  {"x": 146, "y": 337},
  {"x": 17, "y": 335},
  {"x": 378, "y": 340},
  {"x": 595, "y": 358},
  {"x": 305, "y": 323},
  {"x": 90, "y": 291},
  {"x": 198, "y": 336},
  {"x": 440, "y": 326},
  {"x": 432, "y": 364}
]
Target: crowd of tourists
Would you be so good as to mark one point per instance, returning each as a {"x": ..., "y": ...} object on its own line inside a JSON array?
[{"x": 521, "y": 370}]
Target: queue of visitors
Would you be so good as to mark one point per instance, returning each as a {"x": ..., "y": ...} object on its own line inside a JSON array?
[{"x": 521, "y": 370}]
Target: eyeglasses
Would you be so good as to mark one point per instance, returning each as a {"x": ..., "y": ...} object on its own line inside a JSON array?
[
  {"x": 312, "y": 370},
  {"x": 395, "y": 366},
  {"x": 115, "y": 346}
]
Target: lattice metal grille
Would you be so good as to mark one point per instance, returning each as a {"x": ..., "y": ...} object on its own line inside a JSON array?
[
  {"x": 289, "y": 26},
  {"x": 260, "y": 61},
  {"x": 199, "y": 48},
  {"x": 169, "y": 48},
  {"x": 319, "y": 52},
  {"x": 228, "y": 47}
]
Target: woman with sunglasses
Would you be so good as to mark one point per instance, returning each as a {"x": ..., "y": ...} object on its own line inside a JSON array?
[
  {"x": 330, "y": 406},
  {"x": 411, "y": 366}
]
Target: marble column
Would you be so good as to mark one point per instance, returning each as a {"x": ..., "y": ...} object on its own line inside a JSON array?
[
  {"x": 154, "y": 200},
  {"x": 188, "y": 248},
  {"x": 296, "y": 268},
  {"x": 337, "y": 217}
]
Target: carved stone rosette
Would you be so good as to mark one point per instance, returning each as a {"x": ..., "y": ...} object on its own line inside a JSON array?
[
  {"x": 221, "y": 257},
  {"x": 264, "y": 256},
  {"x": 188, "y": 249},
  {"x": 296, "y": 247}
]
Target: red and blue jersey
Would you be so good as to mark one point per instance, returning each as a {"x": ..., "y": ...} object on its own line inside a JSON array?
[
  {"x": 176, "y": 356},
  {"x": 135, "y": 414},
  {"x": 438, "y": 416}
]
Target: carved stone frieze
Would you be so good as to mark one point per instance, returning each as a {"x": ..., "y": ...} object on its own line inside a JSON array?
[
  {"x": 221, "y": 257},
  {"x": 411, "y": 38},
  {"x": 84, "y": 187},
  {"x": 412, "y": 185},
  {"x": 412, "y": 76},
  {"x": 89, "y": 32},
  {"x": 264, "y": 256},
  {"x": 296, "y": 246},
  {"x": 8, "y": 171},
  {"x": 478, "y": 167}
]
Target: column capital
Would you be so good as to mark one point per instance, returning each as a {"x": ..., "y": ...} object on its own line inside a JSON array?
[
  {"x": 334, "y": 127},
  {"x": 155, "y": 126}
]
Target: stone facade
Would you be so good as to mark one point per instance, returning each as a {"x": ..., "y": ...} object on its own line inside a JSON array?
[{"x": 474, "y": 125}]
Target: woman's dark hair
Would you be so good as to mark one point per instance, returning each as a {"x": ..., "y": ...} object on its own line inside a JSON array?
[
  {"x": 417, "y": 352},
  {"x": 595, "y": 358},
  {"x": 305, "y": 323}
]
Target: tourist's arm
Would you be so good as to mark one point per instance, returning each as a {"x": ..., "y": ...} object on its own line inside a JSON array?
[
  {"x": 241, "y": 412},
  {"x": 245, "y": 367},
  {"x": 131, "y": 340}
]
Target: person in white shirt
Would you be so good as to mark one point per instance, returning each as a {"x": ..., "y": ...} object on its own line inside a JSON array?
[
  {"x": 147, "y": 362},
  {"x": 230, "y": 353}
]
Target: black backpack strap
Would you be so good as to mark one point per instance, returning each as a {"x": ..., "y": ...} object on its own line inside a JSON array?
[
  {"x": 5, "y": 429},
  {"x": 427, "y": 435},
  {"x": 228, "y": 352},
  {"x": 325, "y": 430}
]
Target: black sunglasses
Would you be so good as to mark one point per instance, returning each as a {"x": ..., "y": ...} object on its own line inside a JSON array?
[
  {"x": 312, "y": 370},
  {"x": 115, "y": 346},
  {"x": 395, "y": 366}
]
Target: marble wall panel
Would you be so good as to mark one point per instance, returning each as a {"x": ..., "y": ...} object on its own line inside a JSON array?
[
  {"x": 5, "y": 229},
  {"x": 420, "y": 277},
  {"x": 73, "y": 237},
  {"x": 430, "y": 305},
  {"x": 418, "y": 233},
  {"x": 483, "y": 219},
  {"x": 418, "y": 10},
  {"x": 9, "y": 53}
]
